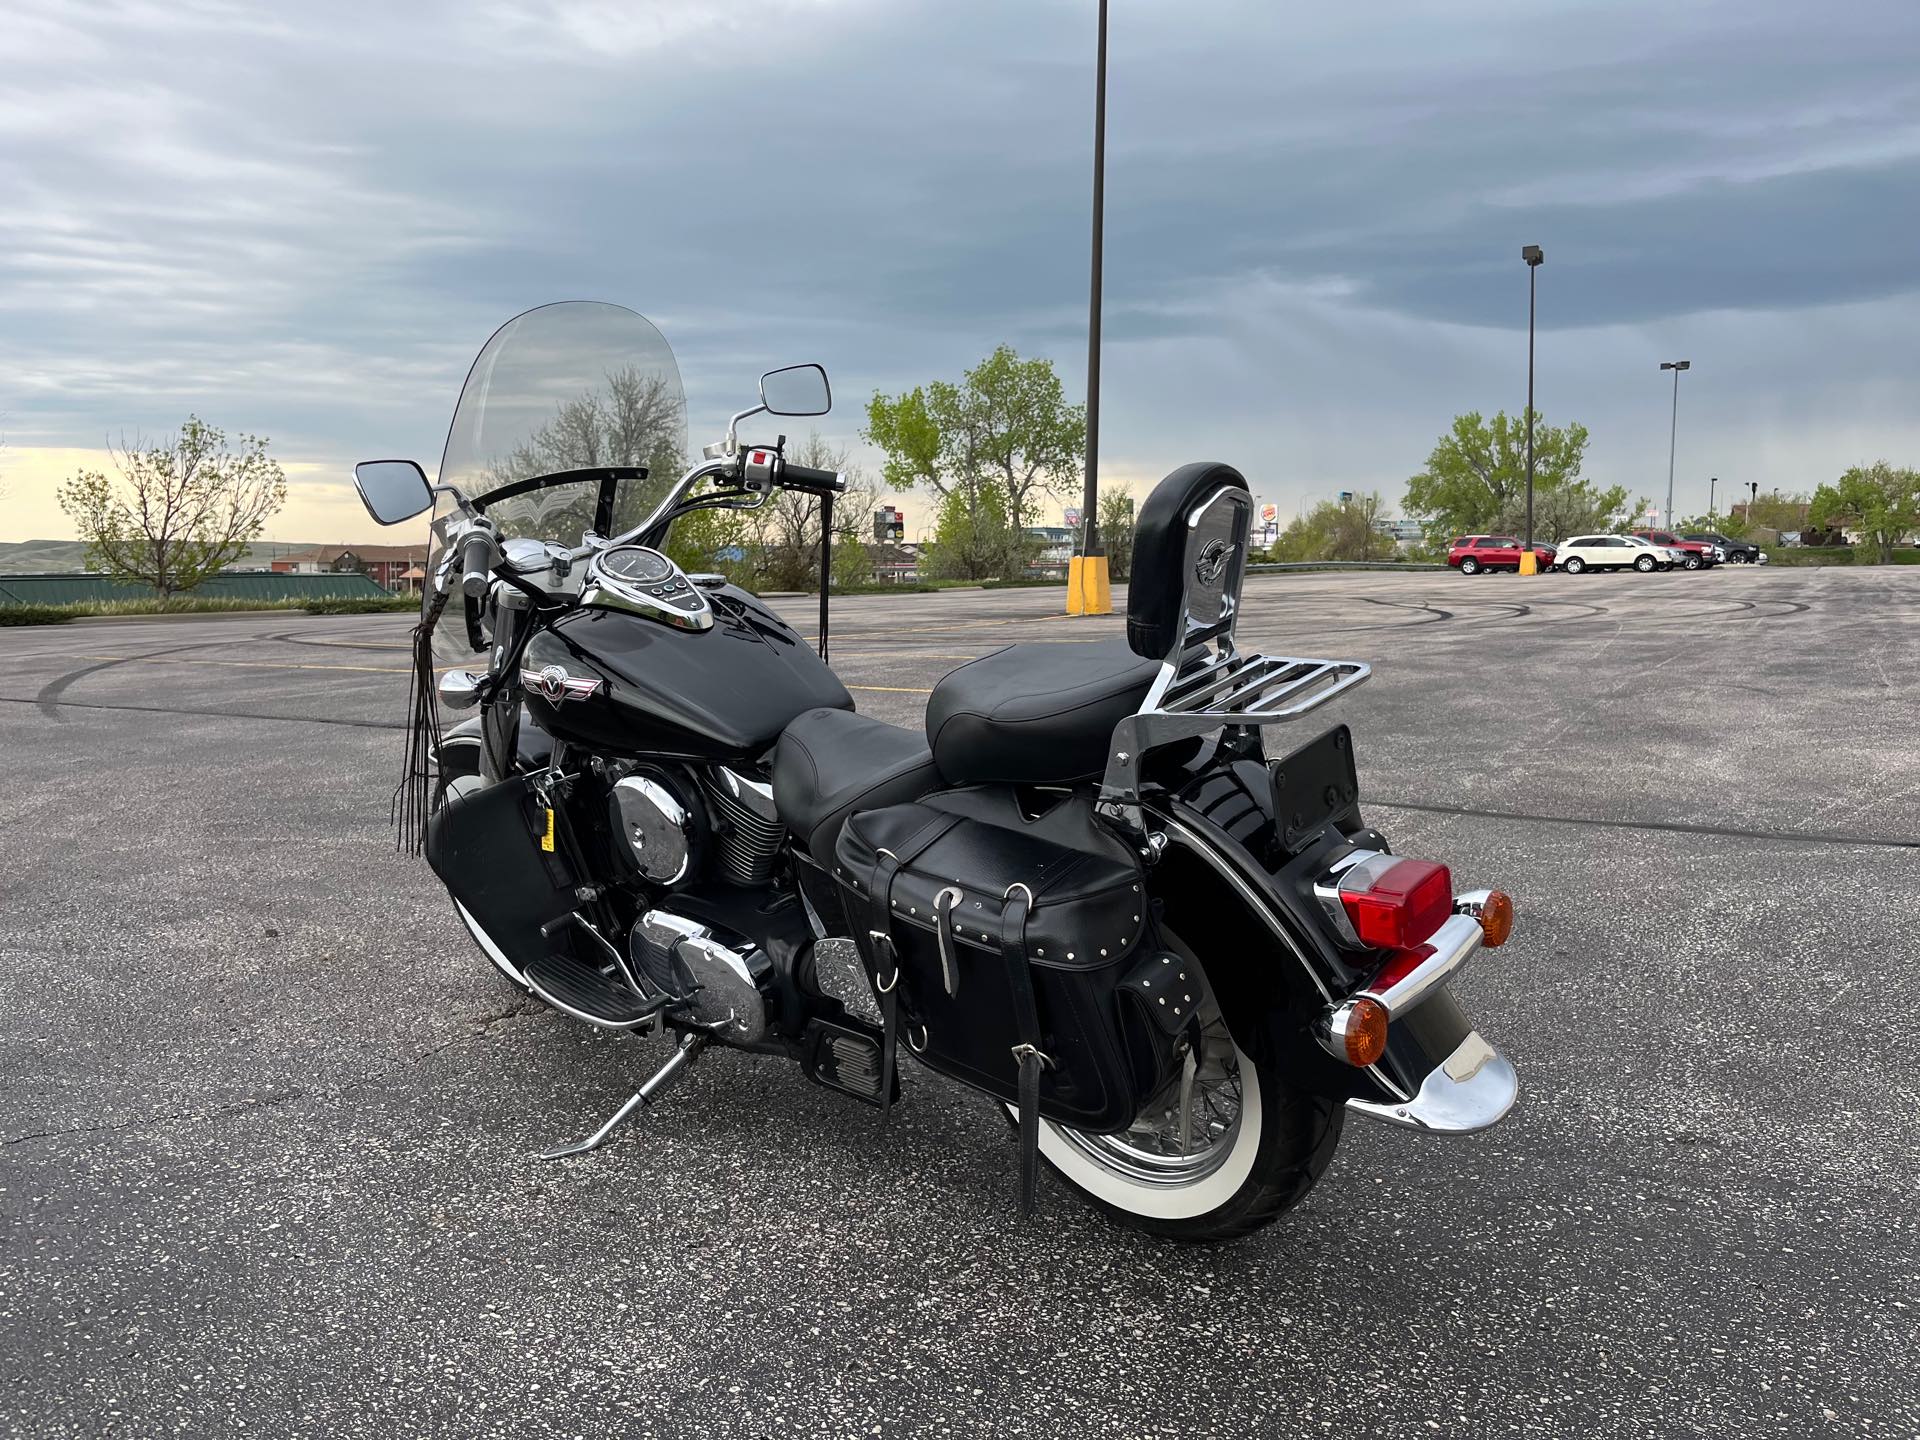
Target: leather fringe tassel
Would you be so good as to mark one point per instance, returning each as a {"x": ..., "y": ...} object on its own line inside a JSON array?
[{"x": 413, "y": 796}]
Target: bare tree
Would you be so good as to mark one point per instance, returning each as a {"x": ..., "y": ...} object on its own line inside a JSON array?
[
  {"x": 636, "y": 418},
  {"x": 786, "y": 530},
  {"x": 180, "y": 510}
]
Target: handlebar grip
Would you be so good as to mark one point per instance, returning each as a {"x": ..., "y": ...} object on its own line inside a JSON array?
[
  {"x": 807, "y": 478},
  {"x": 476, "y": 558}
]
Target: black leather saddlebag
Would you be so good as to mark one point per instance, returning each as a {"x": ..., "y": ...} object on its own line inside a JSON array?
[
  {"x": 491, "y": 849},
  {"x": 988, "y": 930}
]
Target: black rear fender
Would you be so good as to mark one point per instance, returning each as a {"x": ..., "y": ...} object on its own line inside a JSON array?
[{"x": 1272, "y": 963}]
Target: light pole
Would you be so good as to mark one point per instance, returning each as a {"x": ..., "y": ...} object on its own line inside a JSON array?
[
  {"x": 1089, "y": 591},
  {"x": 1534, "y": 256},
  {"x": 1676, "y": 366},
  {"x": 1713, "y": 483}
]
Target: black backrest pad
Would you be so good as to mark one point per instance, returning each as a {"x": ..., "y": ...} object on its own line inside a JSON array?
[{"x": 1157, "y": 586}]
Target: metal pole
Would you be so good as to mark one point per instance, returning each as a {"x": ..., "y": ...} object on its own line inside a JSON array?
[
  {"x": 1533, "y": 272},
  {"x": 1090, "y": 496},
  {"x": 1713, "y": 484},
  {"x": 1672, "y": 434}
]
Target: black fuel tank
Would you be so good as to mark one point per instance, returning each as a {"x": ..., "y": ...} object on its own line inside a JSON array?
[{"x": 718, "y": 694}]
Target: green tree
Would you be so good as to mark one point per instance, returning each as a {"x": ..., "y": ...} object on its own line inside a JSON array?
[
  {"x": 1881, "y": 500},
  {"x": 971, "y": 537},
  {"x": 1116, "y": 532},
  {"x": 852, "y": 561},
  {"x": 1775, "y": 512},
  {"x": 180, "y": 509},
  {"x": 1336, "y": 530},
  {"x": 1476, "y": 481},
  {"x": 1005, "y": 428}
]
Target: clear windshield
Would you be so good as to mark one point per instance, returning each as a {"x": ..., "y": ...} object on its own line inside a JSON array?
[{"x": 566, "y": 387}]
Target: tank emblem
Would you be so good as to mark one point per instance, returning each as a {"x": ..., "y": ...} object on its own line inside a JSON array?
[{"x": 553, "y": 684}]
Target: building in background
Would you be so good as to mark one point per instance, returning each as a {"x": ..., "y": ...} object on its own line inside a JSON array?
[
  {"x": 1055, "y": 543},
  {"x": 391, "y": 567},
  {"x": 1402, "y": 532}
]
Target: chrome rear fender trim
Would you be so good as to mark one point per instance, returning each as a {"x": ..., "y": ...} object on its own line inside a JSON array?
[
  {"x": 1472, "y": 1088},
  {"x": 1401, "y": 987}
]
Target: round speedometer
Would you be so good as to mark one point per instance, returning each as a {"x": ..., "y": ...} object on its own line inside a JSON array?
[{"x": 636, "y": 565}]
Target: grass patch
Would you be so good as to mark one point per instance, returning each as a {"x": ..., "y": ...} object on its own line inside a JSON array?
[
  {"x": 202, "y": 605},
  {"x": 35, "y": 614},
  {"x": 360, "y": 605}
]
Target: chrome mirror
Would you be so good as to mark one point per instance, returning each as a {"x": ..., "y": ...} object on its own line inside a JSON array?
[
  {"x": 796, "y": 390},
  {"x": 392, "y": 490}
]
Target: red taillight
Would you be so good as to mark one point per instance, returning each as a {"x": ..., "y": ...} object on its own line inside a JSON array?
[{"x": 1395, "y": 903}]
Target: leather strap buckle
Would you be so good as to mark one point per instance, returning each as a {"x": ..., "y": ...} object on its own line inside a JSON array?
[{"x": 1023, "y": 1050}]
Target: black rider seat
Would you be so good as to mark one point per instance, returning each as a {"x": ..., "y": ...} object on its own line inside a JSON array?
[
  {"x": 830, "y": 763},
  {"x": 1038, "y": 714}
]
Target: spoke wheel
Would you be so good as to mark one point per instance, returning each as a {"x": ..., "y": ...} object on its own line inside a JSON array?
[
  {"x": 1225, "y": 1146},
  {"x": 1187, "y": 1131}
]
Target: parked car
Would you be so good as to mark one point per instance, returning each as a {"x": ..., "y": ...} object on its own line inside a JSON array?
[
  {"x": 1694, "y": 554},
  {"x": 1471, "y": 554},
  {"x": 1614, "y": 552},
  {"x": 1739, "y": 552}
]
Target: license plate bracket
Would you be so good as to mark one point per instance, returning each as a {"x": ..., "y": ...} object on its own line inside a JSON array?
[{"x": 1314, "y": 787}]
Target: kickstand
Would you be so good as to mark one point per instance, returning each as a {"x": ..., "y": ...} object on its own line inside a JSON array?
[{"x": 690, "y": 1046}]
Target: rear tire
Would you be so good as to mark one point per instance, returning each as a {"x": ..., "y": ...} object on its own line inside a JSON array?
[
  {"x": 1574, "y": 566},
  {"x": 1278, "y": 1145},
  {"x": 1693, "y": 562},
  {"x": 1469, "y": 566},
  {"x": 1645, "y": 564}
]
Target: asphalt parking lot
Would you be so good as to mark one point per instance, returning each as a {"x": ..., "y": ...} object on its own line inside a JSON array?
[{"x": 267, "y": 1120}]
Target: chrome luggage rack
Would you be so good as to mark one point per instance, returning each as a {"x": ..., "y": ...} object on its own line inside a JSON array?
[
  {"x": 1255, "y": 688},
  {"x": 1204, "y": 683},
  {"x": 1226, "y": 690}
]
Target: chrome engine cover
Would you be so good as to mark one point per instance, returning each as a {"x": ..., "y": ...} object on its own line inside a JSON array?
[
  {"x": 657, "y": 827},
  {"x": 712, "y": 986}
]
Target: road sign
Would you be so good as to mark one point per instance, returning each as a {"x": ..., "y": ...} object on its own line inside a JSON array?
[{"x": 1073, "y": 517}]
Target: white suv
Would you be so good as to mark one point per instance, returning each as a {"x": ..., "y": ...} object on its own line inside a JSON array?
[{"x": 1613, "y": 552}]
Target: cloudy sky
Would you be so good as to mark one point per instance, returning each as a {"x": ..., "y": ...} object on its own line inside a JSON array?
[{"x": 303, "y": 220}]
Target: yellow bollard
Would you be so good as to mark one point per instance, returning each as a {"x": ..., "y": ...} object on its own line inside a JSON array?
[
  {"x": 1089, "y": 586},
  {"x": 1529, "y": 563}
]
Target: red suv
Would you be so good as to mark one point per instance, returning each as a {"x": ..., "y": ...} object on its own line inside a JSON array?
[
  {"x": 1698, "y": 555},
  {"x": 1471, "y": 554}
]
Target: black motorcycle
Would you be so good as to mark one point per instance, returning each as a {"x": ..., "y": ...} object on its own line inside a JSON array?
[{"x": 1086, "y": 888}]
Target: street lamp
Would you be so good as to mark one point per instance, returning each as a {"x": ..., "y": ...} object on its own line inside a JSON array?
[
  {"x": 1676, "y": 366},
  {"x": 1713, "y": 483},
  {"x": 1088, "y": 588},
  {"x": 1535, "y": 257}
]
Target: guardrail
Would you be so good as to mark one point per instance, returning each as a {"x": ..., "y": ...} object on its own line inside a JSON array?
[{"x": 1289, "y": 566}]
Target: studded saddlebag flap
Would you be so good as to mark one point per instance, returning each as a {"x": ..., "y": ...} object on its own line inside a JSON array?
[{"x": 981, "y": 901}]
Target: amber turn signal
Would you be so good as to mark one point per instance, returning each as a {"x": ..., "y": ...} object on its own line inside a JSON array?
[
  {"x": 1496, "y": 918},
  {"x": 1360, "y": 1029}
]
